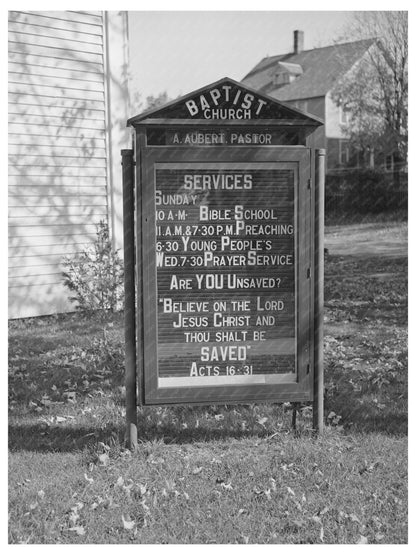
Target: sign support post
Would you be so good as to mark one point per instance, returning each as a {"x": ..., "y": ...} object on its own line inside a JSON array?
[
  {"x": 129, "y": 299},
  {"x": 318, "y": 386}
]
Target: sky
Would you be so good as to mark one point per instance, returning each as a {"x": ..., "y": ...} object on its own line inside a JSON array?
[{"x": 181, "y": 51}]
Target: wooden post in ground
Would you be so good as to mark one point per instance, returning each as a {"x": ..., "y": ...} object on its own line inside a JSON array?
[
  {"x": 127, "y": 162},
  {"x": 318, "y": 389},
  {"x": 295, "y": 409}
]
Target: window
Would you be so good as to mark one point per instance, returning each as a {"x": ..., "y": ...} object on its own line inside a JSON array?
[
  {"x": 302, "y": 105},
  {"x": 344, "y": 116},
  {"x": 344, "y": 152},
  {"x": 389, "y": 163},
  {"x": 282, "y": 78}
]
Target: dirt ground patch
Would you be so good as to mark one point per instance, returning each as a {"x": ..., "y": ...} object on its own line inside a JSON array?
[{"x": 368, "y": 240}]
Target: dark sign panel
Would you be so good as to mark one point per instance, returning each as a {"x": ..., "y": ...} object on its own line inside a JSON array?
[{"x": 226, "y": 274}]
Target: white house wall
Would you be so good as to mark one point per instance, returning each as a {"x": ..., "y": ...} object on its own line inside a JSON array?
[
  {"x": 118, "y": 111},
  {"x": 60, "y": 141},
  {"x": 332, "y": 119},
  {"x": 332, "y": 111}
]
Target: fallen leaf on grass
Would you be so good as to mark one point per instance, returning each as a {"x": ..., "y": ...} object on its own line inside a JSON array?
[
  {"x": 262, "y": 421},
  {"x": 221, "y": 482},
  {"x": 70, "y": 396},
  {"x": 41, "y": 494},
  {"x": 109, "y": 503},
  {"x": 97, "y": 503},
  {"x": 80, "y": 530},
  {"x": 290, "y": 490},
  {"x": 128, "y": 524},
  {"x": 127, "y": 487},
  {"x": 73, "y": 517},
  {"x": 170, "y": 484},
  {"x": 103, "y": 459},
  {"x": 367, "y": 467},
  {"x": 197, "y": 470},
  {"x": 146, "y": 507},
  {"x": 362, "y": 539},
  {"x": 45, "y": 401}
]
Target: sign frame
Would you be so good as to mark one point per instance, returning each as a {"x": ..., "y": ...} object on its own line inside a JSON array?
[{"x": 139, "y": 173}]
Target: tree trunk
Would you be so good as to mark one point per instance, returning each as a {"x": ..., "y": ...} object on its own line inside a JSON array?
[{"x": 397, "y": 165}]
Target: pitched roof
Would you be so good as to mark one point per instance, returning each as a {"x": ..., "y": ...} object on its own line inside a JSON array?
[
  {"x": 321, "y": 69},
  {"x": 228, "y": 93}
]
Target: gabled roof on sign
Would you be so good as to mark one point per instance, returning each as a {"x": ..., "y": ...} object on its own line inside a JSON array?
[{"x": 223, "y": 97}]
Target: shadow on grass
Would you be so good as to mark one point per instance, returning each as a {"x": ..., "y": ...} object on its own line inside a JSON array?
[
  {"x": 366, "y": 343},
  {"x": 71, "y": 439},
  {"x": 366, "y": 407},
  {"x": 39, "y": 438},
  {"x": 367, "y": 419}
]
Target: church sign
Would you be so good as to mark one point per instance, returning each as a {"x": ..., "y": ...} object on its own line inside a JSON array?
[{"x": 224, "y": 246}]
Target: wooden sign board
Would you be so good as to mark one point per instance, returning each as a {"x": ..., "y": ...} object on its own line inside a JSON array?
[{"x": 224, "y": 250}]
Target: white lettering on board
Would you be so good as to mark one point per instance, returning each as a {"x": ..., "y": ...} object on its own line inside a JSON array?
[{"x": 245, "y": 104}]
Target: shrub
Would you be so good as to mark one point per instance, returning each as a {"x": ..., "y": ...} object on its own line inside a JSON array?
[
  {"x": 95, "y": 275},
  {"x": 364, "y": 191}
]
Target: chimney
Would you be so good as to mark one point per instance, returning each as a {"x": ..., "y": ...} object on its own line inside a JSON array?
[{"x": 297, "y": 41}]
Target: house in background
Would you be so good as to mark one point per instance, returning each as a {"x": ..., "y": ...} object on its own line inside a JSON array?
[
  {"x": 305, "y": 79},
  {"x": 68, "y": 107}
]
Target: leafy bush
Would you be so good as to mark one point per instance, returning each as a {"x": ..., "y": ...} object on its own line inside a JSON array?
[
  {"x": 95, "y": 275},
  {"x": 364, "y": 191}
]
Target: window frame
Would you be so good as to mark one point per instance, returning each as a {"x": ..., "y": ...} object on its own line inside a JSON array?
[{"x": 343, "y": 143}]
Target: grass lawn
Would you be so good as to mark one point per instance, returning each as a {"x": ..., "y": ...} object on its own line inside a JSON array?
[{"x": 215, "y": 474}]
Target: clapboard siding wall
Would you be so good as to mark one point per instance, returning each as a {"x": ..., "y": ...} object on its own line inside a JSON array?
[{"x": 58, "y": 177}]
